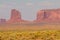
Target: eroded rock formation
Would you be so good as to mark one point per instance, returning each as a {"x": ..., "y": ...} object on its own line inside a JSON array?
[
  {"x": 15, "y": 16},
  {"x": 49, "y": 15},
  {"x": 2, "y": 21}
]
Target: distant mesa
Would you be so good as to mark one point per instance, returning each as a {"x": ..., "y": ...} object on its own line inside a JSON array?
[
  {"x": 2, "y": 21},
  {"x": 48, "y": 15}
]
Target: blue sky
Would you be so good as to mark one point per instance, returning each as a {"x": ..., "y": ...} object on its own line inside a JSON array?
[{"x": 28, "y": 8}]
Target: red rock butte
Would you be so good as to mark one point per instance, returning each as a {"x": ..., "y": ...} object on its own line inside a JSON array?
[
  {"x": 48, "y": 15},
  {"x": 15, "y": 17}
]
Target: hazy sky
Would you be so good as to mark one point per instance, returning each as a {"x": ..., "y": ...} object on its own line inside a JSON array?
[{"x": 28, "y": 8}]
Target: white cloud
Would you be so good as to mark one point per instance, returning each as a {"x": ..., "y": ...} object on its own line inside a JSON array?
[
  {"x": 29, "y": 4},
  {"x": 45, "y": 3},
  {"x": 4, "y": 5}
]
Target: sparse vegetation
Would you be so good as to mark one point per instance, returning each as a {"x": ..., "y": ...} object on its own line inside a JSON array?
[{"x": 30, "y": 35}]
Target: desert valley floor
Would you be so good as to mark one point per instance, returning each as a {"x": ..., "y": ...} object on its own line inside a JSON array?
[
  {"x": 30, "y": 27},
  {"x": 30, "y": 31}
]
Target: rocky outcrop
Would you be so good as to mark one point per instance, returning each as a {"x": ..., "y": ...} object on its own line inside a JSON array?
[
  {"x": 16, "y": 17},
  {"x": 49, "y": 15},
  {"x": 15, "y": 14},
  {"x": 2, "y": 21},
  {"x": 40, "y": 15}
]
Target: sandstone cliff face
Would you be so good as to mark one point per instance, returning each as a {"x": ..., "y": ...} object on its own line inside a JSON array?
[
  {"x": 40, "y": 15},
  {"x": 49, "y": 15},
  {"x": 15, "y": 16}
]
